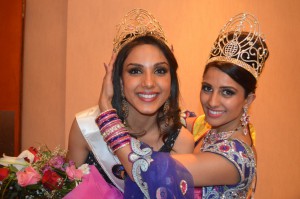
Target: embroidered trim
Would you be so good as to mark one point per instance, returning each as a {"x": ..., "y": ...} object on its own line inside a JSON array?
[{"x": 141, "y": 159}]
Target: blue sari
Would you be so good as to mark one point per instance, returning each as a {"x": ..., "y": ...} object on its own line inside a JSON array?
[{"x": 157, "y": 175}]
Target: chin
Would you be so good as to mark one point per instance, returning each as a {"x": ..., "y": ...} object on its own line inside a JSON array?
[
  {"x": 214, "y": 122},
  {"x": 148, "y": 112}
]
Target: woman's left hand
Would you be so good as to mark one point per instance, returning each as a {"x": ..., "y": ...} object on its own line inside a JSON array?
[{"x": 107, "y": 90}]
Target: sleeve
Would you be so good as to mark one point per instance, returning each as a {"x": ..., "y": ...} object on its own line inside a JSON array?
[
  {"x": 239, "y": 154},
  {"x": 157, "y": 175},
  {"x": 200, "y": 127},
  {"x": 252, "y": 133}
]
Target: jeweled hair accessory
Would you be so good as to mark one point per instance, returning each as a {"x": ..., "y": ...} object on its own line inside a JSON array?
[
  {"x": 241, "y": 43},
  {"x": 137, "y": 23}
]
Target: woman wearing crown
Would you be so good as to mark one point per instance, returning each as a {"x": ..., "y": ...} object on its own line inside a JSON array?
[
  {"x": 223, "y": 164},
  {"x": 145, "y": 95}
]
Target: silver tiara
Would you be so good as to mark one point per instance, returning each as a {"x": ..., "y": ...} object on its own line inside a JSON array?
[
  {"x": 137, "y": 23},
  {"x": 241, "y": 43}
]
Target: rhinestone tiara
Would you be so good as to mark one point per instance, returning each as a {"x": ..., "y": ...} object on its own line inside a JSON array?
[
  {"x": 241, "y": 43},
  {"x": 137, "y": 23}
]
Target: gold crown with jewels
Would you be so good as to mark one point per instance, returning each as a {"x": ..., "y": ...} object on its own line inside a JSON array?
[
  {"x": 137, "y": 23},
  {"x": 241, "y": 43}
]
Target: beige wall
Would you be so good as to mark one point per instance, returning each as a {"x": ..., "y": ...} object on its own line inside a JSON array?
[
  {"x": 66, "y": 43},
  {"x": 44, "y": 73}
]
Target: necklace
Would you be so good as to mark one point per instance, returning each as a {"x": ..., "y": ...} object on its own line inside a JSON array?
[{"x": 213, "y": 136}]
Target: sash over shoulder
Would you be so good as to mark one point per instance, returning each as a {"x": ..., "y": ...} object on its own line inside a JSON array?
[{"x": 91, "y": 133}]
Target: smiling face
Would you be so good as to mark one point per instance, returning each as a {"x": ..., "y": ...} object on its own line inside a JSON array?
[
  {"x": 146, "y": 79},
  {"x": 222, "y": 100}
]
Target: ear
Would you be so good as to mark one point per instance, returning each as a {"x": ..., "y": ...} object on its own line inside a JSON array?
[{"x": 250, "y": 98}]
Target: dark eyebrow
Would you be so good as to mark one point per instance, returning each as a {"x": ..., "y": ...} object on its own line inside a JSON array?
[
  {"x": 228, "y": 87},
  {"x": 140, "y": 65},
  {"x": 222, "y": 87},
  {"x": 203, "y": 82},
  {"x": 161, "y": 63},
  {"x": 135, "y": 64}
]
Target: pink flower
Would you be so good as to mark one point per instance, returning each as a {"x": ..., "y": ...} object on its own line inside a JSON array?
[
  {"x": 71, "y": 162},
  {"x": 73, "y": 173},
  {"x": 28, "y": 177},
  {"x": 57, "y": 162}
]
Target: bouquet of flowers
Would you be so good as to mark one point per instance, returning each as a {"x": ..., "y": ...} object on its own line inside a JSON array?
[{"x": 39, "y": 173}]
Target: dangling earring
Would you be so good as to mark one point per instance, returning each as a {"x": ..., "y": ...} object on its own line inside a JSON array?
[
  {"x": 245, "y": 120},
  {"x": 124, "y": 107},
  {"x": 166, "y": 108}
]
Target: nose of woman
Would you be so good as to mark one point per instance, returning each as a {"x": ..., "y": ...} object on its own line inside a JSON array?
[
  {"x": 148, "y": 80},
  {"x": 214, "y": 99}
]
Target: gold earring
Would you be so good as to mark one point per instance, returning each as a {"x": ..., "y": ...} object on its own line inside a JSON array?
[
  {"x": 166, "y": 107},
  {"x": 245, "y": 120}
]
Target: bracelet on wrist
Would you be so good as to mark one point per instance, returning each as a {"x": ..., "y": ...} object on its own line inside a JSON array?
[
  {"x": 104, "y": 113},
  {"x": 113, "y": 130}
]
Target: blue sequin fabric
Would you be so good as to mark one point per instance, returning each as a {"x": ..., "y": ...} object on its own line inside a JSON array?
[{"x": 243, "y": 158}]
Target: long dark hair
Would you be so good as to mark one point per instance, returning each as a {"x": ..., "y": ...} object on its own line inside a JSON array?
[{"x": 172, "y": 116}]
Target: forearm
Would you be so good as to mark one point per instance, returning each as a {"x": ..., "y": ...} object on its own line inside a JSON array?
[
  {"x": 123, "y": 154},
  {"x": 116, "y": 136}
]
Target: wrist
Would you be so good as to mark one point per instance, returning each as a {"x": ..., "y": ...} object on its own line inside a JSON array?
[
  {"x": 112, "y": 129},
  {"x": 103, "y": 106}
]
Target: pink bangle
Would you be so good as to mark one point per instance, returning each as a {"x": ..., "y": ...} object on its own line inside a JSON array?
[
  {"x": 99, "y": 121},
  {"x": 104, "y": 113},
  {"x": 109, "y": 132},
  {"x": 110, "y": 124},
  {"x": 119, "y": 141},
  {"x": 112, "y": 136},
  {"x": 112, "y": 129},
  {"x": 121, "y": 145}
]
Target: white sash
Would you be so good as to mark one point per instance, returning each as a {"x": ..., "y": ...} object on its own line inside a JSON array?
[{"x": 91, "y": 133}]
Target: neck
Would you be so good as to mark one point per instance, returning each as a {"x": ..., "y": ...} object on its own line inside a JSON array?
[
  {"x": 214, "y": 135},
  {"x": 229, "y": 130},
  {"x": 142, "y": 124},
  {"x": 229, "y": 126}
]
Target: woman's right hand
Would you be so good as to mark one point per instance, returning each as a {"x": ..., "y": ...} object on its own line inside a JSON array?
[{"x": 107, "y": 90}]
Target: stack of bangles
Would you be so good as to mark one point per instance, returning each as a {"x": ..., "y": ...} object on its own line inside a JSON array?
[{"x": 112, "y": 129}]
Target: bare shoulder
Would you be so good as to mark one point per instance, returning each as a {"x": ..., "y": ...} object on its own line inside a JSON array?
[
  {"x": 78, "y": 148},
  {"x": 75, "y": 135},
  {"x": 184, "y": 142}
]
